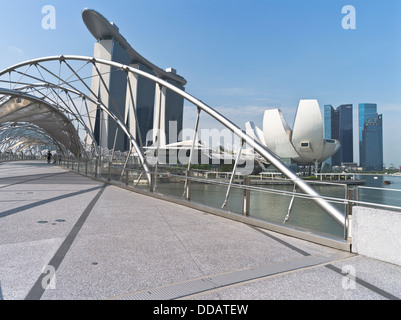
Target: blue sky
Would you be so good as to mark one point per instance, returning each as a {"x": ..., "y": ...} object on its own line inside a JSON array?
[{"x": 239, "y": 56}]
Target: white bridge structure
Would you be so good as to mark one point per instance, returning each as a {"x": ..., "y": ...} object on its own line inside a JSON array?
[
  {"x": 55, "y": 105},
  {"x": 305, "y": 143},
  {"x": 49, "y": 102}
]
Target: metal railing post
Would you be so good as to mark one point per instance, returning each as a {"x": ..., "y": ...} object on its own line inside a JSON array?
[
  {"x": 194, "y": 140},
  {"x": 350, "y": 197},
  {"x": 188, "y": 185},
  {"x": 351, "y": 194},
  {"x": 287, "y": 217},
  {"x": 152, "y": 186},
  {"x": 100, "y": 169},
  {"x": 233, "y": 174},
  {"x": 246, "y": 201}
]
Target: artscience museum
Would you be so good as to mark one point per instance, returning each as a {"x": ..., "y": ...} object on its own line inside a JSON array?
[{"x": 304, "y": 144}]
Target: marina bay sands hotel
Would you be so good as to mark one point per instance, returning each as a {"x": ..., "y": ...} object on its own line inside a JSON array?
[{"x": 154, "y": 107}]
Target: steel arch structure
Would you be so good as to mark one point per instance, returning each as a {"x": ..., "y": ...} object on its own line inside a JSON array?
[
  {"x": 37, "y": 70},
  {"x": 22, "y": 136},
  {"x": 44, "y": 120}
]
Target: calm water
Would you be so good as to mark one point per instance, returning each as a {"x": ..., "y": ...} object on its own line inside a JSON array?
[
  {"x": 273, "y": 207},
  {"x": 267, "y": 206}
]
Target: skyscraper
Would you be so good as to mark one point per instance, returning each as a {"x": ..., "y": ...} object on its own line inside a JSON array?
[
  {"x": 338, "y": 125},
  {"x": 330, "y": 127},
  {"x": 155, "y": 107},
  {"x": 116, "y": 81},
  {"x": 370, "y": 137}
]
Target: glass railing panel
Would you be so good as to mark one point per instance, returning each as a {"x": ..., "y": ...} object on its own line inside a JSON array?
[
  {"x": 137, "y": 179},
  {"x": 170, "y": 185},
  {"x": 308, "y": 215},
  {"x": 380, "y": 189},
  {"x": 269, "y": 200},
  {"x": 388, "y": 197},
  {"x": 202, "y": 191},
  {"x": 91, "y": 168},
  {"x": 214, "y": 195},
  {"x": 272, "y": 205}
]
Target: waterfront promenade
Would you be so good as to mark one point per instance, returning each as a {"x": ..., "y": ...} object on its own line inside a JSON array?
[{"x": 105, "y": 242}]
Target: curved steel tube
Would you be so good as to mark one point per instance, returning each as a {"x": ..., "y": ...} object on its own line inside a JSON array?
[
  {"x": 78, "y": 117},
  {"x": 15, "y": 93},
  {"x": 336, "y": 214}
]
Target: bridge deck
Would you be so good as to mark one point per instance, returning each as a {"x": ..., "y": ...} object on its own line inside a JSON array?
[{"x": 105, "y": 242}]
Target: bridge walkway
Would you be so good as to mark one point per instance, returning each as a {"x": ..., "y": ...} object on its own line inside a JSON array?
[{"x": 105, "y": 242}]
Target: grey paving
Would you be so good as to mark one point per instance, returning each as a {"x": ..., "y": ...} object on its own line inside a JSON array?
[{"x": 106, "y": 242}]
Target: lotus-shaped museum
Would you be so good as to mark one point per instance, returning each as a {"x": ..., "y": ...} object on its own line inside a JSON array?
[{"x": 304, "y": 144}]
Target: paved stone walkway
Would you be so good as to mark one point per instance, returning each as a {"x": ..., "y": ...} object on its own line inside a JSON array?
[{"x": 104, "y": 242}]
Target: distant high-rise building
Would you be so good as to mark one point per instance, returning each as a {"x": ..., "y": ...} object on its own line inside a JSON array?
[
  {"x": 330, "y": 127},
  {"x": 370, "y": 137},
  {"x": 338, "y": 125}
]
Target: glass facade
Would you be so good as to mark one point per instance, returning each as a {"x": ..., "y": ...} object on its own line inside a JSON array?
[
  {"x": 345, "y": 134},
  {"x": 143, "y": 105},
  {"x": 116, "y": 103},
  {"x": 370, "y": 137},
  {"x": 145, "y": 99},
  {"x": 366, "y": 110},
  {"x": 174, "y": 113},
  {"x": 338, "y": 124},
  {"x": 144, "y": 90},
  {"x": 328, "y": 128},
  {"x": 116, "y": 80}
]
